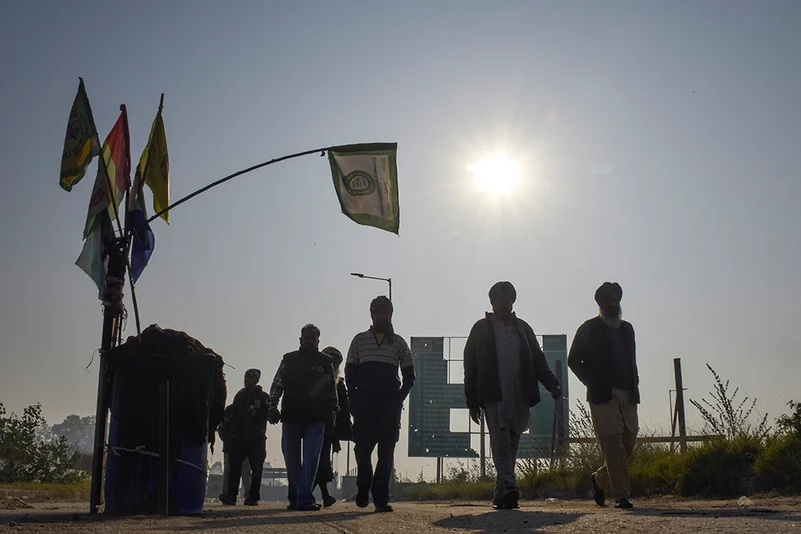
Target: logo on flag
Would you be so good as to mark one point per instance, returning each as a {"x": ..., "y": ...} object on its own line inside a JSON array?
[{"x": 359, "y": 183}]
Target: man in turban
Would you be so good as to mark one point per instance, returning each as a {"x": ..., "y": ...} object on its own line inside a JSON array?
[
  {"x": 603, "y": 357},
  {"x": 250, "y": 413},
  {"x": 503, "y": 364}
]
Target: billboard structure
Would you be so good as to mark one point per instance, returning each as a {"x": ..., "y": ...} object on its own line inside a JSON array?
[{"x": 437, "y": 399}]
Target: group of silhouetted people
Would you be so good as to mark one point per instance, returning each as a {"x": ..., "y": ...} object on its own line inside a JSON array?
[
  {"x": 315, "y": 414},
  {"x": 503, "y": 367}
]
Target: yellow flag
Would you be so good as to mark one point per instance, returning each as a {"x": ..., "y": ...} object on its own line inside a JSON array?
[
  {"x": 81, "y": 143},
  {"x": 155, "y": 166}
]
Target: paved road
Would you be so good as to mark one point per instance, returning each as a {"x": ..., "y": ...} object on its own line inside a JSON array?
[{"x": 650, "y": 516}]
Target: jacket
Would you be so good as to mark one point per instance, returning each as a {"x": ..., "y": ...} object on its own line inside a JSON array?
[
  {"x": 344, "y": 428},
  {"x": 591, "y": 359},
  {"x": 309, "y": 391},
  {"x": 250, "y": 417},
  {"x": 481, "y": 380}
]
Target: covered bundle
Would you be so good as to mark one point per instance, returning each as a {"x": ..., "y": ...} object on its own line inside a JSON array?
[{"x": 196, "y": 403}]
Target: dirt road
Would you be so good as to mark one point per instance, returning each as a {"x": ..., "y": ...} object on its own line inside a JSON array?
[{"x": 650, "y": 516}]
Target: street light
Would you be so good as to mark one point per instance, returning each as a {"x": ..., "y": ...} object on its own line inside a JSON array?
[{"x": 388, "y": 280}]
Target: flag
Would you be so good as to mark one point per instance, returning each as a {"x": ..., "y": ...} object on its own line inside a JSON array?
[
  {"x": 143, "y": 241},
  {"x": 81, "y": 143},
  {"x": 155, "y": 165},
  {"x": 93, "y": 259},
  {"x": 366, "y": 182},
  {"x": 113, "y": 168}
]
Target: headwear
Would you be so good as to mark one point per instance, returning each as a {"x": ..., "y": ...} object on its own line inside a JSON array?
[
  {"x": 255, "y": 373},
  {"x": 381, "y": 301},
  {"x": 336, "y": 356},
  {"x": 500, "y": 288},
  {"x": 608, "y": 289}
]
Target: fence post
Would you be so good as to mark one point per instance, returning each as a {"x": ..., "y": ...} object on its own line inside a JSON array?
[
  {"x": 483, "y": 448},
  {"x": 680, "y": 405}
]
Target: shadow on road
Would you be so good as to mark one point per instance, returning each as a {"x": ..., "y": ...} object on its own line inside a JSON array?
[
  {"x": 507, "y": 521},
  {"x": 760, "y": 513},
  {"x": 211, "y": 520},
  {"x": 258, "y": 518}
]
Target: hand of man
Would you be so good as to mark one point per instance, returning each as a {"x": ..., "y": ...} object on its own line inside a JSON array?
[
  {"x": 556, "y": 391},
  {"x": 399, "y": 399},
  {"x": 331, "y": 424},
  {"x": 475, "y": 415},
  {"x": 273, "y": 415}
]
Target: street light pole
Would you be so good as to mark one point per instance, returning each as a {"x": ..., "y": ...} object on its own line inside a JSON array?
[{"x": 387, "y": 280}]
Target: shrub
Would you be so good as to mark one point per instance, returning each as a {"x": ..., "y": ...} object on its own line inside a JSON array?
[
  {"x": 778, "y": 468},
  {"x": 727, "y": 415},
  {"x": 448, "y": 490},
  {"x": 654, "y": 469},
  {"x": 721, "y": 468}
]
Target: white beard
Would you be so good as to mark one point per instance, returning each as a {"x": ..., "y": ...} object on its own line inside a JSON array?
[{"x": 613, "y": 322}]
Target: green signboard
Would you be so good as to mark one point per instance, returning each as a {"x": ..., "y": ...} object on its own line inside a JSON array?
[
  {"x": 430, "y": 403},
  {"x": 432, "y": 398}
]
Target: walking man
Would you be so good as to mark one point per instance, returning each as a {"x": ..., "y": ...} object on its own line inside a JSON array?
[
  {"x": 228, "y": 431},
  {"x": 376, "y": 400},
  {"x": 309, "y": 408},
  {"x": 342, "y": 431},
  {"x": 503, "y": 364},
  {"x": 603, "y": 357},
  {"x": 250, "y": 418}
]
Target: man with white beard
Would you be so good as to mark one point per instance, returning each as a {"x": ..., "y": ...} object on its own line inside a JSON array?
[{"x": 603, "y": 357}]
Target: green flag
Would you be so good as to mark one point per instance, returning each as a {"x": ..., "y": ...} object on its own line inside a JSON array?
[
  {"x": 366, "y": 182},
  {"x": 81, "y": 143}
]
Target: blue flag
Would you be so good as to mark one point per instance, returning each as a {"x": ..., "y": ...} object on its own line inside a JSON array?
[{"x": 143, "y": 241}]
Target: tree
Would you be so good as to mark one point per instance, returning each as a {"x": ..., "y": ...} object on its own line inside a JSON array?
[
  {"x": 791, "y": 423},
  {"x": 78, "y": 431},
  {"x": 27, "y": 456}
]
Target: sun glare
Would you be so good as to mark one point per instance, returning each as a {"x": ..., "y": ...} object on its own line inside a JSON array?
[{"x": 496, "y": 175}]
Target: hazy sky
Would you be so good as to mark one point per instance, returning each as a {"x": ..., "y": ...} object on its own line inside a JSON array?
[{"x": 660, "y": 148}]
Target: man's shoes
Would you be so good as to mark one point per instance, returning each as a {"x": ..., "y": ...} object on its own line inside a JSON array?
[
  {"x": 624, "y": 504},
  {"x": 329, "y": 501},
  {"x": 251, "y": 502},
  {"x": 507, "y": 502},
  {"x": 291, "y": 506},
  {"x": 381, "y": 508},
  {"x": 362, "y": 500},
  {"x": 598, "y": 493},
  {"x": 226, "y": 500},
  {"x": 510, "y": 500},
  {"x": 313, "y": 507}
]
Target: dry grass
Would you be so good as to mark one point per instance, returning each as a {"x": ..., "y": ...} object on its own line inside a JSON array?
[{"x": 35, "y": 492}]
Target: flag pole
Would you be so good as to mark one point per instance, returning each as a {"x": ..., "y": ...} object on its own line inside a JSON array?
[
  {"x": 234, "y": 175},
  {"x": 120, "y": 228},
  {"x": 112, "y": 315},
  {"x": 130, "y": 275}
]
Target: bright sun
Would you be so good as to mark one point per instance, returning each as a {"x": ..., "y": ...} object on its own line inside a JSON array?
[{"x": 497, "y": 175}]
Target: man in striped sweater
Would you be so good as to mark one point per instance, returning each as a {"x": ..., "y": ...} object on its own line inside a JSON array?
[{"x": 376, "y": 399}]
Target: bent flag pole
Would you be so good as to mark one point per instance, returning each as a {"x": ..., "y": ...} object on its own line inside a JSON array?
[{"x": 365, "y": 180}]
